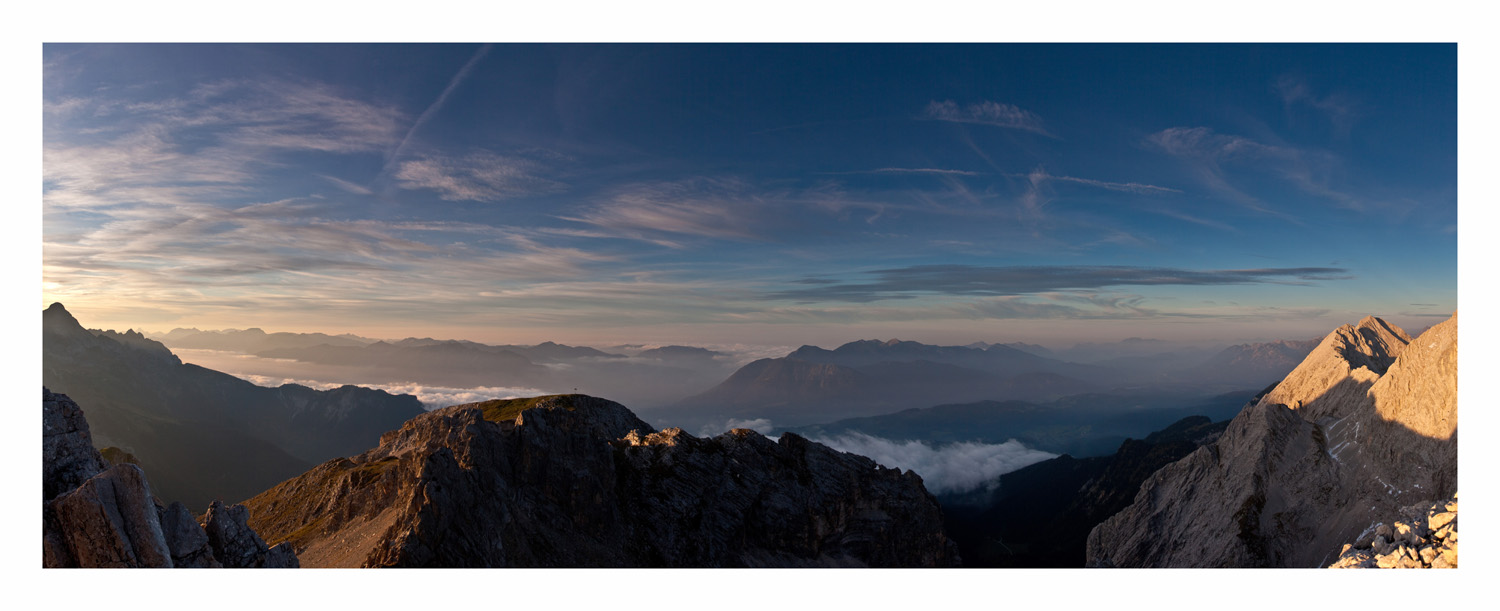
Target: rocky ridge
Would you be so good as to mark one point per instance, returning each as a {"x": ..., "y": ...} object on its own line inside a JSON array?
[
  {"x": 1427, "y": 539},
  {"x": 1366, "y": 425},
  {"x": 577, "y": 481},
  {"x": 100, "y": 515}
]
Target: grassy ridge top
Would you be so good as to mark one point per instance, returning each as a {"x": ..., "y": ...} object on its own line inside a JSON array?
[{"x": 497, "y": 410}]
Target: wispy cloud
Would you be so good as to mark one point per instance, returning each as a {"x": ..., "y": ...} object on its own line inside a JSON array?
[
  {"x": 1208, "y": 152},
  {"x": 986, "y": 113},
  {"x": 207, "y": 145},
  {"x": 725, "y": 208},
  {"x": 714, "y": 208},
  {"x": 480, "y": 176},
  {"x": 288, "y": 115},
  {"x": 909, "y": 282},
  {"x": 1341, "y": 109},
  {"x": 909, "y": 171},
  {"x": 1128, "y": 187},
  {"x": 284, "y": 256},
  {"x": 346, "y": 185},
  {"x": 1202, "y": 142}
]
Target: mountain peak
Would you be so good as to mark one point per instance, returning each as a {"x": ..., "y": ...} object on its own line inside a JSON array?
[{"x": 57, "y": 318}]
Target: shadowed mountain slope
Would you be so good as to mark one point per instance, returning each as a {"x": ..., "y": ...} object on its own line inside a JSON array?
[{"x": 202, "y": 434}]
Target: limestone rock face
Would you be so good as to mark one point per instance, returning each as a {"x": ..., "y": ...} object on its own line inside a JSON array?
[
  {"x": 98, "y": 516},
  {"x": 1426, "y": 538},
  {"x": 1365, "y": 426},
  {"x": 110, "y": 521},
  {"x": 576, "y": 481},
  {"x": 68, "y": 454}
]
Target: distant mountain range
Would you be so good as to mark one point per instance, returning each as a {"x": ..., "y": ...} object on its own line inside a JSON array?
[
  {"x": 871, "y": 377},
  {"x": 812, "y": 384},
  {"x": 205, "y": 435},
  {"x": 254, "y": 340},
  {"x": 650, "y": 377}
]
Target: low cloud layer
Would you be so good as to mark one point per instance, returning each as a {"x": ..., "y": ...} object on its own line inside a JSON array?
[
  {"x": 432, "y": 397},
  {"x": 952, "y": 468}
]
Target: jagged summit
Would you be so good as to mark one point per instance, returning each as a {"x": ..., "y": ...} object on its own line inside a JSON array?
[
  {"x": 578, "y": 481},
  {"x": 57, "y": 318},
  {"x": 1365, "y": 426},
  {"x": 1340, "y": 369}
]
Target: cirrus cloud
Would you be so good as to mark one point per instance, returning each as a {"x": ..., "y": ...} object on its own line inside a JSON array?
[{"x": 986, "y": 113}]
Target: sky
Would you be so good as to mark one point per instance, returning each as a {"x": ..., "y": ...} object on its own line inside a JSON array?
[{"x": 761, "y": 194}]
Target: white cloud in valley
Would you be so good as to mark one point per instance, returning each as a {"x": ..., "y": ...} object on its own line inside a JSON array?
[{"x": 946, "y": 469}]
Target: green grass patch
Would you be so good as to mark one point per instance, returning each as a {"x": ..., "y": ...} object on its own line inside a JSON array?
[
  {"x": 116, "y": 456},
  {"x": 505, "y": 410}
]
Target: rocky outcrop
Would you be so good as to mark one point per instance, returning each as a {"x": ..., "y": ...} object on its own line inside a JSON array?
[
  {"x": 1366, "y": 425},
  {"x": 97, "y": 515},
  {"x": 577, "y": 481},
  {"x": 237, "y": 546},
  {"x": 1426, "y": 539}
]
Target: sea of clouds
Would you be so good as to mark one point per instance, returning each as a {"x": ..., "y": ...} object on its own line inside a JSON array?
[
  {"x": 432, "y": 397},
  {"x": 951, "y": 468}
]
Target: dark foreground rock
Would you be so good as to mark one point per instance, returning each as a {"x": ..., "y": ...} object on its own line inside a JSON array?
[
  {"x": 1367, "y": 425},
  {"x": 94, "y": 515},
  {"x": 576, "y": 481}
]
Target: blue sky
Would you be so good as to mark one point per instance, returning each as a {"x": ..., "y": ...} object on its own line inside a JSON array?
[{"x": 779, "y": 194}]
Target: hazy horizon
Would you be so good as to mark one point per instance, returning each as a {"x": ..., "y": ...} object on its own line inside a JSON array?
[
  {"x": 752, "y": 194},
  {"x": 1023, "y": 332}
]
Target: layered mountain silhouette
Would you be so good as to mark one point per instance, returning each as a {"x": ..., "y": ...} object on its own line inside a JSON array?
[
  {"x": 651, "y": 377},
  {"x": 868, "y": 377},
  {"x": 255, "y": 340},
  {"x": 871, "y": 377},
  {"x": 1365, "y": 426},
  {"x": 577, "y": 481},
  {"x": 202, "y": 434}
]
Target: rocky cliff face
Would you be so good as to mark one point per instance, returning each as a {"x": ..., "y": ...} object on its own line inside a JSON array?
[
  {"x": 571, "y": 480},
  {"x": 96, "y": 515},
  {"x": 1366, "y": 425}
]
